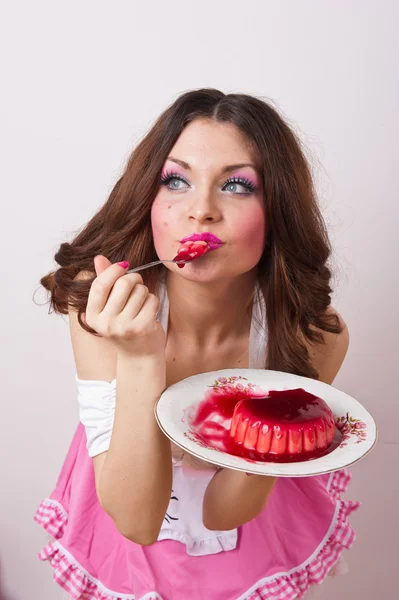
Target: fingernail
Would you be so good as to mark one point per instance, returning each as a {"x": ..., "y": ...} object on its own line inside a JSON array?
[{"x": 124, "y": 264}]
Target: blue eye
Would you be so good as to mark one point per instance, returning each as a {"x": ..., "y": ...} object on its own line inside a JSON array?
[
  {"x": 250, "y": 187},
  {"x": 170, "y": 178}
]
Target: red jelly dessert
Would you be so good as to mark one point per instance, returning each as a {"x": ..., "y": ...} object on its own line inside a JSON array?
[
  {"x": 191, "y": 250},
  {"x": 285, "y": 423}
]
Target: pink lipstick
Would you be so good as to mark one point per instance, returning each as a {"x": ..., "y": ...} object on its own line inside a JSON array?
[{"x": 212, "y": 241}]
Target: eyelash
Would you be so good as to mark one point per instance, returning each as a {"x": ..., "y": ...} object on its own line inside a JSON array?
[{"x": 166, "y": 178}]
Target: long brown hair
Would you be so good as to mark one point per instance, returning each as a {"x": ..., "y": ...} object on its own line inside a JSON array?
[{"x": 293, "y": 274}]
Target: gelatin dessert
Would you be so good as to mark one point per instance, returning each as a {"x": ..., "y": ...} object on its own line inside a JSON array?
[
  {"x": 191, "y": 250},
  {"x": 283, "y": 424}
]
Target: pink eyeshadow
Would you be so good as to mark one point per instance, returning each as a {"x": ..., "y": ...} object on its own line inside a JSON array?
[
  {"x": 255, "y": 180},
  {"x": 172, "y": 168}
]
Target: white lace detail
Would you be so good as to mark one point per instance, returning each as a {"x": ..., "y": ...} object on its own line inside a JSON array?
[{"x": 183, "y": 519}]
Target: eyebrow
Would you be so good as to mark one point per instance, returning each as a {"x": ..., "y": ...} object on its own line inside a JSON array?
[{"x": 225, "y": 169}]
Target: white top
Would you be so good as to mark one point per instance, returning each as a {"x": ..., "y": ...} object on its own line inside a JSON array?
[{"x": 183, "y": 519}]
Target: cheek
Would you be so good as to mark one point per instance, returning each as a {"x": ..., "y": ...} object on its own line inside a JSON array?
[
  {"x": 251, "y": 231},
  {"x": 157, "y": 222},
  {"x": 160, "y": 222}
]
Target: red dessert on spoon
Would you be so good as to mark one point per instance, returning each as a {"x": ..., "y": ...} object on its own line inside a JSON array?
[
  {"x": 190, "y": 251},
  {"x": 196, "y": 245}
]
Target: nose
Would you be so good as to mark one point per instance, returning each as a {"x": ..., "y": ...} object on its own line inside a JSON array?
[{"x": 204, "y": 209}]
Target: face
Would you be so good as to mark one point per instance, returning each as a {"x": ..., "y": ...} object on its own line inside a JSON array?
[{"x": 201, "y": 195}]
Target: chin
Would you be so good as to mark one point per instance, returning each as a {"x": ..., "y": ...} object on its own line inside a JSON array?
[
  {"x": 209, "y": 273},
  {"x": 193, "y": 272}
]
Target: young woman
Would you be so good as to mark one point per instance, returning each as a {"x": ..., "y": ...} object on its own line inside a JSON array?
[{"x": 132, "y": 517}]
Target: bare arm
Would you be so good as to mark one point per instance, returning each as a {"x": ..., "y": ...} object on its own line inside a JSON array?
[
  {"x": 135, "y": 480},
  {"x": 232, "y": 498},
  {"x": 134, "y": 477}
]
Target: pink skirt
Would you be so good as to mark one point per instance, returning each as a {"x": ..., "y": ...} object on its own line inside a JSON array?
[{"x": 294, "y": 543}]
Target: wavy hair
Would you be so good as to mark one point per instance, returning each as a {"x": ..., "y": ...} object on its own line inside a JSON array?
[{"x": 293, "y": 272}]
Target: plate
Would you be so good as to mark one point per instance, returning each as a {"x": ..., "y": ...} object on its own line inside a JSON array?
[{"x": 179, "y": 404}]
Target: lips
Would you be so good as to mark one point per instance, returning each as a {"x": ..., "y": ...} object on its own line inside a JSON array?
[{"x": 212, "y": 241}]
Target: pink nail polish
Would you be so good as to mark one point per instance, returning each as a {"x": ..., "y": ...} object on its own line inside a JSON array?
[{"x": 124, "y": 264}]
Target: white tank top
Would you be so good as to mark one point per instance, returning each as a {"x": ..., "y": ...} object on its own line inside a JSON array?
[{"x": 191, "y": 476}]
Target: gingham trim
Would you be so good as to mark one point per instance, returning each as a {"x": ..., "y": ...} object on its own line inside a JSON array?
[{"x": 81, "y": 585}]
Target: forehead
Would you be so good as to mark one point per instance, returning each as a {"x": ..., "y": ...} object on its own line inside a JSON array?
[{"x": 204, "y": 142}]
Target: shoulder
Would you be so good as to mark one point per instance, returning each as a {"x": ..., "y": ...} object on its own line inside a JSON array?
[{"x": 327, "y": 357}]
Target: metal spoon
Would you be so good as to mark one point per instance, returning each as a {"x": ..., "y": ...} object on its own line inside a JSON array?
[{"x": 156, "y": 262}]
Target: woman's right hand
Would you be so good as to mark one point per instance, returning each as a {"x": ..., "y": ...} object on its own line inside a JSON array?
[{"x": 121, "y": 308}]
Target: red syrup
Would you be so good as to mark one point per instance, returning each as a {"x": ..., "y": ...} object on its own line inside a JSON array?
[
  {"x": 294, "y": 425},
  {"x": 190, "y": 251}
]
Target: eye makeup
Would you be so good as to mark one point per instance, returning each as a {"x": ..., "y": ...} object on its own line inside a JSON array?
[
  {"x": 240, "y": 179},
  {"x": 254, "y": 181}
]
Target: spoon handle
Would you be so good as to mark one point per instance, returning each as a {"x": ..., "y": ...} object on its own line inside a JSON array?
[{"x": 152, "y": 264}]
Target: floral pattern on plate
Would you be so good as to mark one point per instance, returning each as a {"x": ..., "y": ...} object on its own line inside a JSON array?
[{"x": 348, "y": 426}]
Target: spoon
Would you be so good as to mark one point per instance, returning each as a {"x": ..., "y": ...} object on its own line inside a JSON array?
[{"x": 156, "y": 262}]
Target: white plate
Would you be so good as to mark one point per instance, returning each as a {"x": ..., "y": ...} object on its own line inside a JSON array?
[{"x": 177, "y": 405}]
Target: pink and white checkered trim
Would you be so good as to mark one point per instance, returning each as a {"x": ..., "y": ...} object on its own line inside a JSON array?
[
  {"x": 284, "y": 586},
  {"x": 295, "y": 584},
  {"x": 52, "y": 517}
]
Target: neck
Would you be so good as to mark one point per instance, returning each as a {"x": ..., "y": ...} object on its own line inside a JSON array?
[{"x": 208, "y": 314}]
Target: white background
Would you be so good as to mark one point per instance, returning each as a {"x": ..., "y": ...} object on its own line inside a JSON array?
[{"x": 81, "y": 83}]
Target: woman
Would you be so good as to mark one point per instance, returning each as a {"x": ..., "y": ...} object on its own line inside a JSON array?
[{"x": 131, "y": 515}]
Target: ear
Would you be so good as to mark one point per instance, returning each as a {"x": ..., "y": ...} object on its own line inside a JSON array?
[{"x": 101, "y": 263}]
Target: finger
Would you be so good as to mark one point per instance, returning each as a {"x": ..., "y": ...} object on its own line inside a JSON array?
[
  {"x": 101, "y": 263},
  {"x": 148, "y": 311},
  {"x": 126, "y": 292},
  {"x": 102, "y": 285}
]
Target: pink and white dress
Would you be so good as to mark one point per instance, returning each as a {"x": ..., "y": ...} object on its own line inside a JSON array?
[{"x": 295, "y": 542}]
